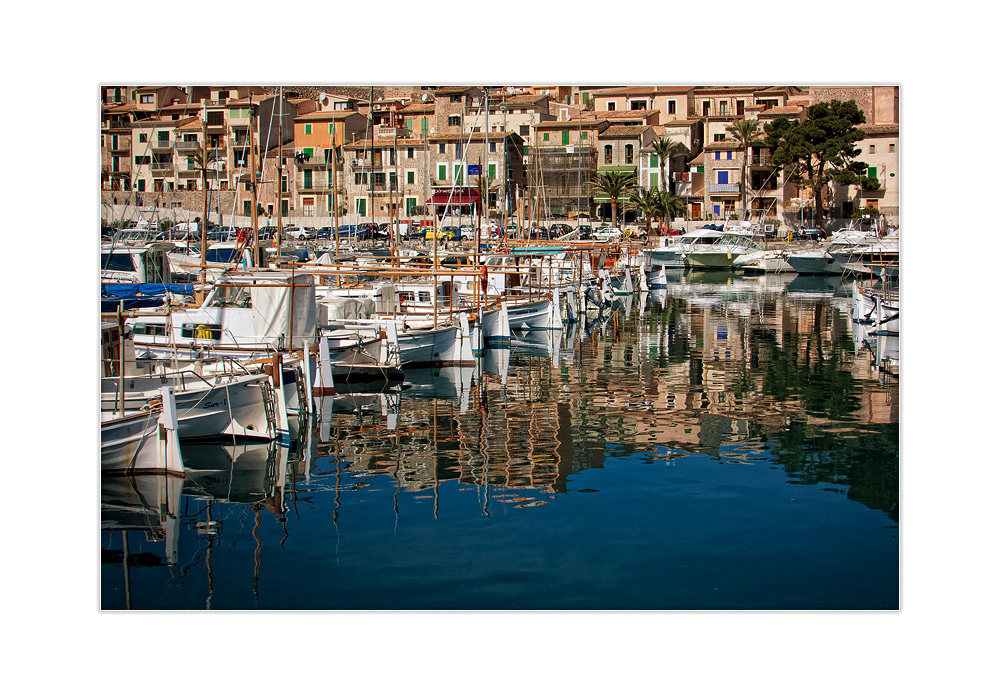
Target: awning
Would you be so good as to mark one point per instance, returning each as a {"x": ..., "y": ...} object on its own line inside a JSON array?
[
  {"x": 457, "y": 198},
  {"x": 616, "y": 168}
]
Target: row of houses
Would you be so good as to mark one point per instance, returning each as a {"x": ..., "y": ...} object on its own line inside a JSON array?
[{"x": 416, "y": 151}]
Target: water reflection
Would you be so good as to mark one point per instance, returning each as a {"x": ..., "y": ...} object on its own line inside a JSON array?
[{"x": 764, "y": 371}]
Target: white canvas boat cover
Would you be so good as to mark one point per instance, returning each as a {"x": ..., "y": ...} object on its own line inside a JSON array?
[{"x": 278, "y": 310}]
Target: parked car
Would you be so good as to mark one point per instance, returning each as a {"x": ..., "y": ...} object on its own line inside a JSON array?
[
  {"x": 300, "y": 233},
  {"x": 558, "y": 229},
  {"x": 324, "y": 232},
  {"x": 586, "y": 231},
  {"x": 608, "y": 234},
  {"x": 447, "y": 232}
]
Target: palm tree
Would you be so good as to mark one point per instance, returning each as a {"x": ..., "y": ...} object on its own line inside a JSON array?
[
  {"x": 665, "y": 148},
  {"x": 646, "y": 201},
  {"x": 746, "y": 132},
  {"x": 614, "y": 185},
  {"x": 668, "y": 206}
]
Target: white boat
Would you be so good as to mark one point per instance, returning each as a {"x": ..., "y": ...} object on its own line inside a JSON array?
[
  {"x": 725, "y": 252},
  {"x": 875, "y": 259},
  {"x": 673, "y": 250},
  {"x": 144, "y": 440},
  {"x": 132, "y": 261},
  {"x": 206, "y": 406},
  {"x": 876, "y": 307}
]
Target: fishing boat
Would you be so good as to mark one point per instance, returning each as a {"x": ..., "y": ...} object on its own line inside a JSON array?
[{"x": 143, "y": 440}]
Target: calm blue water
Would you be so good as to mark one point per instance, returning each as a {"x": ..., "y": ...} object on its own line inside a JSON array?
[{"x": 728, "y": 443}]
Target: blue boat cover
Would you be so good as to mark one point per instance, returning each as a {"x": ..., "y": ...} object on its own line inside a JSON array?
[{"x": 138, "y": 295}]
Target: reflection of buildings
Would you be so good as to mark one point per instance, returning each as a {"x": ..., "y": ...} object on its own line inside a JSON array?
[{"x": 714, "y": 362}]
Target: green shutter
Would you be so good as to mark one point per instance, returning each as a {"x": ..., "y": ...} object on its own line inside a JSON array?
[
  {"x": 307, "y": 179},
  {"x": 873, "y": 171},
  {"x": 654, "y": 161},
  {"x": 308, "y": 151},
  {"x": 408, "y": 124},
  {"x": 458, "y": 174},
  {"x": 654, "y": 180},
  {"x": 492, "y": 172},
  {"x": 309, "y": 129},
  {"x": 565, "y": 139},
  {"x": 442, "y": 172},
  {"x": 583, "y": 135},
  {"x": 423, "y": 126},
  {"x": 545, "y": 136}
]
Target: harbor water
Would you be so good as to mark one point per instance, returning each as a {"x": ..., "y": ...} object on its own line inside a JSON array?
[{"x": 727, "y": 442}]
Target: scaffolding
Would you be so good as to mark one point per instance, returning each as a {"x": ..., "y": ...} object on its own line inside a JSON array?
[{"x": 561, "y": 178}]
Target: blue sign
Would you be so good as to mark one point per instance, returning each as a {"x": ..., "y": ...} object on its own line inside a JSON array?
[{"x": 474, "y": 170}]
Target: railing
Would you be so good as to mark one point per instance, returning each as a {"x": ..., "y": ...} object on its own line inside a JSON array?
[
  {"x": 761, "y": 159},
  {"x": 723, "y": 188},
  {"x": 161, "y": 145},
  {"x": 315, "y": 186},
  {"x": 161, "y": 166},
  {"x": 187, "y": 145}
]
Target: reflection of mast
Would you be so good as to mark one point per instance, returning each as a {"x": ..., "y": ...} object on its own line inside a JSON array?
[
  {"x": 208, "y": 558},
  {"x": 128, "y": 589}
]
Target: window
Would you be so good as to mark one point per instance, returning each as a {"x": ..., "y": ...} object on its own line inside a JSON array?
[
  {"x": 216, "y": 118},
  {"x": 309, "y": 129},
  {"x": 411, "y": 177},
  {"x": 565, "y": 137},
  {"x": 654, "y": 180},
  {"x": 628, "y": 154},
  {"x": 637, "y": 105},
  {"x": 393, "y": 186},
  {"x": 284, "y": 207},
  {"x": 740, "y": 104},
  {"x": 706, "y": 108},
  {"x": 729, "y": 154},
  {"x": 871, "y": 149},
  {"x": 583, "y": 135},
  {"x": 409, "y": 153},
  {"x": 411, "y": 206},
  {"x": 246, "y": 186},
  {"x": 246, "y": 208},
  {"x": 441, "y": 149},
  {"x": 146, "y": 99},
  {"x": 718, "y": 154},
  {"x": 360, "y": 206},
  {"x": 718, "y": 137},
  {"x": 424, "y": 126},
  {"x": 892, "y": 147},
  {"x": 212, "y": 332},
  {"x": 545, "y": 137},
  {"x": 442, "y": 172},
  {"x": 458, "y": 149},
  {"x": 456, "y": 98},
  {"x": 408, "y": 124},
  {"x": 523, "y": 130},
  {"x": 612, "y": 106},
  {"x": 329, "y": 128},
  {"x": 723, "y": 108},
  {"x": 722, "y": 176},
  {"x": 140, "y": 185},
  {"x": 454, "y": 120},
  {"x": 458, "y": 174},
  {"x": 654, "y": 161},
  {"x": 164, "y": 136},
  {"x": 492, "y": 171},
  {"x": 142, "y": 137},
  {"x": 672, "y": 106},
  {"x": 607, "y": 154},
  {"x": 284, "y": 183},
  {"x": 493, "y": 147}
]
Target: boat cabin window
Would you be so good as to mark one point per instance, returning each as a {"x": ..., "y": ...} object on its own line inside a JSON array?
[
  {"x": 211, "y": 332},
  {"x": 117, "y": 262},
  {"x": 405, "y": 296},
  {"x": 425, "y": 296},
  {"x": 221, "y": 255},
  {"x": 230, "y": 296},
  {"x": 153, "y": 264},
  {"x": 149, "y": 329}
]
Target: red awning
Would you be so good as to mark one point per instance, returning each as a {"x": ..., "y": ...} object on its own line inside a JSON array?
[{"x": 457, "y": 198}]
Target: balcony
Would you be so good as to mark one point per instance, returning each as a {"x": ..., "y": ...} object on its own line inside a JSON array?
[
  {"x": 319, "y": 186},
  {"x": 187, "y": 146},
  {"x": 724, "y": 188},
  {"x": 762, "y": 159},
  {"x": 162, "y": 166},
  {"x": 188, "y": 173},
  {"x": 318, "y": 161},
  {"x": 161, "y": 145}
]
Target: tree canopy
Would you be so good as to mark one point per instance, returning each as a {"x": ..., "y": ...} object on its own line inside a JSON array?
[{"x": 819, "y": 148}]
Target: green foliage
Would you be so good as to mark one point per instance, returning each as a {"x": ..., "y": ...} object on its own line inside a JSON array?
[
  {"x": 614, "y": 185},
  {"x": 870, "y": 183},
  {"x": 820, "y": 147}
]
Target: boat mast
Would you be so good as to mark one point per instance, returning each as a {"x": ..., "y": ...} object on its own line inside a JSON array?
[
  {"x": 204, "y": 194},
  {"x": 277, "y": 233},
  {"x": 253, "y": 185}
]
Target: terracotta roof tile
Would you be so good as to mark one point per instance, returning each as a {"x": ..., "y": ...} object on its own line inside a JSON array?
[{"x": 624, "y": 131}]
